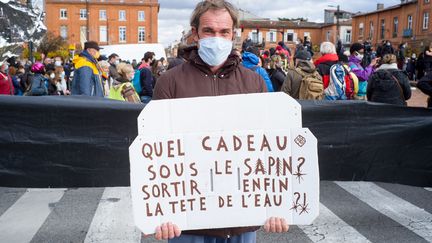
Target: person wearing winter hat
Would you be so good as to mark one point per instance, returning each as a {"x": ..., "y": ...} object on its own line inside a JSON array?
[{"x": 363, "y": 74}]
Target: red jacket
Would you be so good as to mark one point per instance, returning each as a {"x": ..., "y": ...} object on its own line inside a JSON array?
[
  {"x": 6, "y": 86},
  {"x": 323, "y": 65}
]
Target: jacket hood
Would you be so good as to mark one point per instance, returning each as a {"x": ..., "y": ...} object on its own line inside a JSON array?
[
  {"x": 85, "y": 59},
  {"x": 191, "y": 55},
  {"x": 249, "y": 59},
  {"x": 306, "y": 66}
]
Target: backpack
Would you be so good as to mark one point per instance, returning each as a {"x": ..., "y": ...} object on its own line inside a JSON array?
[
  {"x": 351, "y": 85},
  {"x": 136, "y": 82},
  {"x": 337, "y": 85},
  {"x": 311, "y": 86}
]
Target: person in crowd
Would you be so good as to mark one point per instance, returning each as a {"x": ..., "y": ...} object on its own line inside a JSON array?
[
  {"x": 425, "y": 83},
  {"x": 48, "y": 63},
  {"x": 389, "y": 84},
  {"x": 107, "y": 80},
  {"x": 386, "y": 48},
  {"x": 113, "y": 60},
  {"x": 266, "y": 54},
  {"x": 368, "y": 53},
  {"x": 401, "y": 52},
  {"x": 134, "y": 63},
  {"x": 52, "y": 83},
  {"x": 60, "y": 77},
  {"x": 38, "y": 82},
  {"x": 179, "y": 58},
  {"x": 146, "y": 78},
  {"x": 355, "y": 59},
  {"x": 285, "y": 62},
  {"x": 308, "y": 46},
  {"x": 15, "y": 81},
  {"x": 252, "y": 61},
  {"x": 324, "y": 63},
  {"x": 6, "y": 85},
  {"x": 246, "y": 43},
  {"x": 412, "y": 67},
  {"x": 299, "y": 45},
  {"x": 86, "y": 80},
  {"x": 19, "y": 82},
  {"x": 157, "y": 69},
  {"x": 212, "y": 69},
  {"x": 303, "y": 67},
  {"x": 277, "y": 75},
  {"x": 285, "y": 47},
  {"x": 122, "y": 88}
]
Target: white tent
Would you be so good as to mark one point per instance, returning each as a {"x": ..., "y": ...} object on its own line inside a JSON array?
[{"x": 128, "y": 52}]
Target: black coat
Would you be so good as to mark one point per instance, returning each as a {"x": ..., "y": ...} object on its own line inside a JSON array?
[
  {"x": 382, "y": 87},
  {"x": 277, "y": 77}
]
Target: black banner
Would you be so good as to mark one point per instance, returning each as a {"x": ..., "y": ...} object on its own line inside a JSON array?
[{"x": 83, "y": 141}]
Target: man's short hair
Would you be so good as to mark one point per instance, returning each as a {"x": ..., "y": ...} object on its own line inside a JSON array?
[
  {"x": 148, "y": 55},
  {"x": 114, "y": 55},
  {"x": 206, "y": 5}
]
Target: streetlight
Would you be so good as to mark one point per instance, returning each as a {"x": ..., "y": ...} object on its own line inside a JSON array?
[{"x": 337, "y": 20}]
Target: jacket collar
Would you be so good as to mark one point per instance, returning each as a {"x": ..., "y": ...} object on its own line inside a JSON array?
[{"x": 327, "y": 58}]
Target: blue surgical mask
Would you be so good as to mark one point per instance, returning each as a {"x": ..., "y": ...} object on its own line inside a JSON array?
[{"x": 214, "y": 50}]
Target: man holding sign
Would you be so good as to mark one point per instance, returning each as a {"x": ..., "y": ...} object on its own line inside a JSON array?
[{"x": 212, "y": 69}]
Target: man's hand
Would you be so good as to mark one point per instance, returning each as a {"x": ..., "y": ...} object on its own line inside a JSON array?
[
  {"x": 167, "y": 231},
  {"x": 276, "y": 225}
]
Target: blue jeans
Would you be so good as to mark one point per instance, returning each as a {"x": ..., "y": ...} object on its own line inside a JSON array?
[
  {"x": 248, "y": 237},
  {"x": 145, "y": 99}
]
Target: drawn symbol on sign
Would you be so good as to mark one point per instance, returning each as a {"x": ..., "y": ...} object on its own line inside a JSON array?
[
  {"x": 304, "y": 209},
  {"x": 300, "y": 140}
]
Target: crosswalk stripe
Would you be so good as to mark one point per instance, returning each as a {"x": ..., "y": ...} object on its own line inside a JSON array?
[
  {"x": 113, "y": 220},
  {"x": 328, "y": 227},
  {"x": 23, "y": 219},
  {"x": 428, "y": 189},
  {"x": 401, "y": 211},
  {"x": 8, "y": 196}
]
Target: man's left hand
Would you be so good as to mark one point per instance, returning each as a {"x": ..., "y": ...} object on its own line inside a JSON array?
[{"x": 276, "y": 225}]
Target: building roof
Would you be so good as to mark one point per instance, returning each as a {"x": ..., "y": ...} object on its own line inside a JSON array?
[
  {"x": 341, "y": 23},
  {"x": 275, "y": 24},
  {"x": 386, "y": 9}
]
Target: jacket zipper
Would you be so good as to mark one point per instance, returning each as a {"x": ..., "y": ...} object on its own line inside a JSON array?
[{"x": 215, "y": 91}]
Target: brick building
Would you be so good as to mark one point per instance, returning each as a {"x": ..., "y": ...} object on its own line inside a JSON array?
[
  {"x": 106, "y": 21},
  {"x": 408, "y": 22}
]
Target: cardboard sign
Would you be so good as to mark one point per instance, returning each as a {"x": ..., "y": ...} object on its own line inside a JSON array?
[{"x": 215, "y": 178}]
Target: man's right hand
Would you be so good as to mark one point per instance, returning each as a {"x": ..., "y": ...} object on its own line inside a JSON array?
[{"x": 167, "y": 231}]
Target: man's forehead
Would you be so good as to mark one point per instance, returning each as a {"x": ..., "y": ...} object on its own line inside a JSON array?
[{"x": 216, "y": 19}]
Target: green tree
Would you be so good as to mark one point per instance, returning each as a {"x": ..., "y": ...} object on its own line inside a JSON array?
[{"x": 51, "y": 43}]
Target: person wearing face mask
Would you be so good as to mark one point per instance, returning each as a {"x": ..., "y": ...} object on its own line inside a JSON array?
[
  {"x": 6, "y": 85},
  {"x": 122, "y": 88},
  {"x": 87, "y": 80},
  {"x": 355, "y": 59},
  {"x": 212, "y": 68}
]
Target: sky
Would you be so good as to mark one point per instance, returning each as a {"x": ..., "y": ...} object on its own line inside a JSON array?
[{"x": 174, "y": 15}]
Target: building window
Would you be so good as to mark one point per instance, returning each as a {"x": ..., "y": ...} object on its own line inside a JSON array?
[
  {"x": 256, "y": 36},
  {"x": 63, "y": 13},
  {"x": 290, "y": 35},
  {"x": 371, "y": 30},
  {"x": 361, "y": 29},
  {"x": 426, "y": 21},
  {"x": 395, "y": 26},
  {"x": 63, "y": 31},
  {"x": 410, "y": 22},
  {"x": 271, "y": 36},
  {"x": 348, "y": 36},
  {"x": 382, "y": 29},
  {"x": 83, "y": 13},
  {"x": 83, "y": 34},
  {"x": 102, "y": 14},
  {"x": 328, "y": 35},
  {"x": 122, "y": 15},
  {"x": 141, "y": 34},
  {"x": 141, "y": 15},
  {"x": 103, "y": 34},
  {"x": 122, "y": 34}
]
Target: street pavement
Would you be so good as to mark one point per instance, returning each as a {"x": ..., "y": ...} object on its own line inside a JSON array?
[{"x": 349, "y": 212}]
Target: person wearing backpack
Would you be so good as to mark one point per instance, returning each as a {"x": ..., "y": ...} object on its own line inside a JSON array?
[
  {"x": 324, "y": 63},
  {"x": 146, "y": 80},
  {"x": 363, "y": 74},
  {"x": 389, "y": 84},
  {"x": 251, "y": 60},
  {"x": 303, "y": 81}
]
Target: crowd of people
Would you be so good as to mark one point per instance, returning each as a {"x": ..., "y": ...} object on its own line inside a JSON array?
[{"x": 360, "y": 73}]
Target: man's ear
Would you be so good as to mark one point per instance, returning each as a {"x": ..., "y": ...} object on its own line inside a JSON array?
[{"x": 195, "y": 34}]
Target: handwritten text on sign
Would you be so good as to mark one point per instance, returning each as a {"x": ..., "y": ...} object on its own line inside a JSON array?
[{"x": 225, "y": 179}]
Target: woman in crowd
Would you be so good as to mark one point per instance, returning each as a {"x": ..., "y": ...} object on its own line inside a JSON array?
[
  {"x": 106, "y": 79},
  {"x": 389, "y": 84},
  {"x": 122, "y": 88},
  {"x": 38, "y": 82},
  {"x": 277, "y": 76}
]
